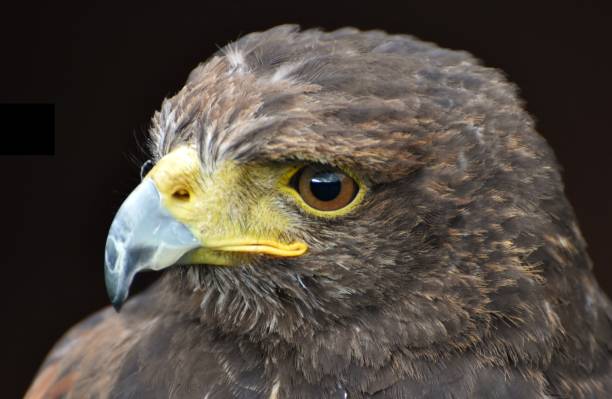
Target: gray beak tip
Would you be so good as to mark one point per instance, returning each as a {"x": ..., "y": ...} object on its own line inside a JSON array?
[
  {"x": 117, "y": 305},
  {"x": 116, "y": 291}
]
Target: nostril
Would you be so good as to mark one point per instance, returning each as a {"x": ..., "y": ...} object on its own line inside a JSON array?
[{"x": 181, "y": 194}]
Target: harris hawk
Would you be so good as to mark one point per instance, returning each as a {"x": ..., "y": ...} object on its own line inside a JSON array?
[{"x": 343, "y": 214}]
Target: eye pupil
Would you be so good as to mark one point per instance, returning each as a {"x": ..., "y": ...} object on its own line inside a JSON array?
[
  {"x": 146, "y": 168},
  {"x": 325, "y": 186}
]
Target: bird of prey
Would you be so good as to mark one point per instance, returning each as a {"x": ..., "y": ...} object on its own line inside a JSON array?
[{"x": 345, "y": 214}]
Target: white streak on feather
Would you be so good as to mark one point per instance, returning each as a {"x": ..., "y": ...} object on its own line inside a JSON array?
[
  {"x": 284, "y": 71},
  {"x": 236, "y": 60},
  {"x": 275, "y": 389}
]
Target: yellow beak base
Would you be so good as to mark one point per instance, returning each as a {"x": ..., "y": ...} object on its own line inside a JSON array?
[{"x": 223, "y": 252}]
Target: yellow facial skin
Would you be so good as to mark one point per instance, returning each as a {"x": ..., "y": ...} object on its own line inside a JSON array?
[{"x": 233, "y": 211}]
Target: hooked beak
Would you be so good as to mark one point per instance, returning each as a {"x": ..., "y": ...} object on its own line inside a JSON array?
[
  {"x": 172, "y": 219},
  {"x": 143, "y": 236}
]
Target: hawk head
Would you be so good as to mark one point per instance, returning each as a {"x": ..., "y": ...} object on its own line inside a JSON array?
[{"x": 359, "y": 192}]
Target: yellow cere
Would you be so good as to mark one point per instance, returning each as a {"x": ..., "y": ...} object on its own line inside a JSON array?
[{"x": 232, "y": 210}]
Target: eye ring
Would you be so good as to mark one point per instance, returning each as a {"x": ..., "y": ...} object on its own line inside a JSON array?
[
  {"x": 324, "y": 188},
  {"x": 146, "y": 168}
]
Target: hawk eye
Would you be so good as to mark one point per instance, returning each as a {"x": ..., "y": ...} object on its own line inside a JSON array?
[
  {"x": 146, "y": 168},
  {"x": 324, "y": 188}
]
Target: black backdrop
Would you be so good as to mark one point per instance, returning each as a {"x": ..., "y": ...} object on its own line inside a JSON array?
[{"x": 108, "y": 68}]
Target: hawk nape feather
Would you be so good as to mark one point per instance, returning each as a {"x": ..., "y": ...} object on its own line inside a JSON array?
[{"x": 343, "y": 214}]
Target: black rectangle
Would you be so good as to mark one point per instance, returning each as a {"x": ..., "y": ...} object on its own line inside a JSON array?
[{"x": 27, "y": 129}]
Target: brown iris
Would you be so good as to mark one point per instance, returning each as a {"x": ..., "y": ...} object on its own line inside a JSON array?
[{"x": 324, "y": 188}]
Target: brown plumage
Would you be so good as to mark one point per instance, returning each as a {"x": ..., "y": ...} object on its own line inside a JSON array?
[{"x": 462, "y": 274}]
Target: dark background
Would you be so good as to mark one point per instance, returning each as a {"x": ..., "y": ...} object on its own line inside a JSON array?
[{"x": 107, "y": 69}]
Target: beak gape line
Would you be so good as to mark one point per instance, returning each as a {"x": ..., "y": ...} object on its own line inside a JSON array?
[{"x": 151, "y": 231}]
